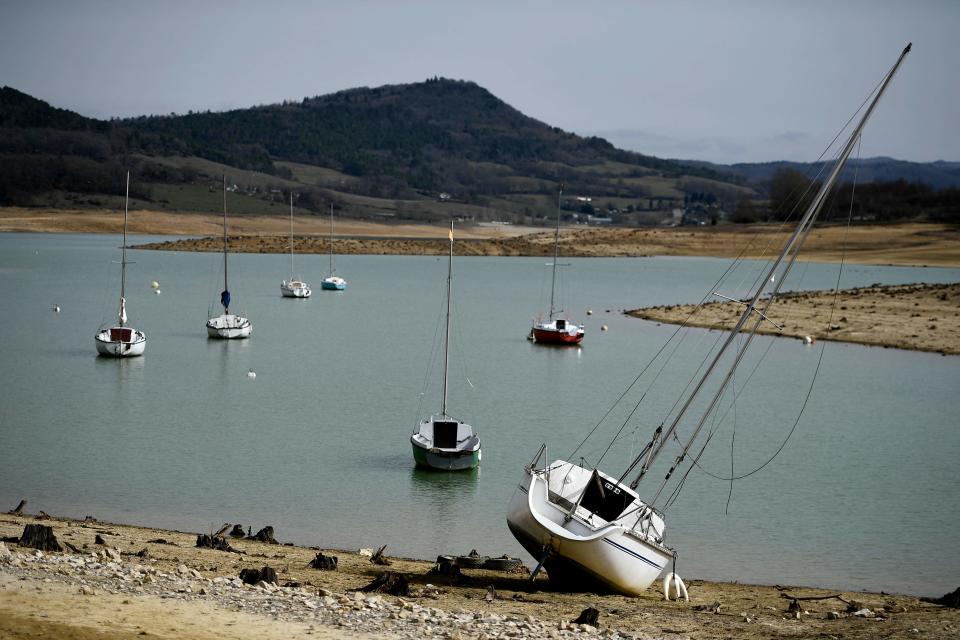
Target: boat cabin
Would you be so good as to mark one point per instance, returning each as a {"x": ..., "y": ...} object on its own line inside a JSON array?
[
  {"x": 561, "y": 325},
  {"x": 121, "y": 334},
  {"x": 445, "y": 434}
]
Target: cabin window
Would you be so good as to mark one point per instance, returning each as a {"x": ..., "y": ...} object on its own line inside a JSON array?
[
  {"x": 445, "y": 434},
  {"x": 605, "y": 498},
  {"x": 120, "y": 334},
  {"x": 561, "y": 325}
]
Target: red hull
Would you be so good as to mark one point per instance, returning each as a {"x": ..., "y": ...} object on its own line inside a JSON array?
[{"x": 556, "y": 337}]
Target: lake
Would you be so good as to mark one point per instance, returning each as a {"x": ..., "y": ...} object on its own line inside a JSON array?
[{"x": 862, "y": 496}]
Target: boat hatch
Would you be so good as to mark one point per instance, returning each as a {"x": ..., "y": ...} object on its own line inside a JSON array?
[
  {"x": 605, "y": 498},
  {"x": 120, "y": 334},
  {"x": 445, "y": 434},
  {"x": 561, "y": 325}
]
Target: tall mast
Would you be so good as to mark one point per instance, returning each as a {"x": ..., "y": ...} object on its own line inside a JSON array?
[
  {"x": 791, "y": 248},
  {"x": 291, "y": 235},
  {"x": 556, "y": 250},
  {"x": 446, "y": 339},
  {"x": 123, "y": 257},
  {"x": 332, "y": 272},
  {"x": 225, "y": 288}
]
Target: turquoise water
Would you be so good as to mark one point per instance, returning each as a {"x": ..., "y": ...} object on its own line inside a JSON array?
[{"x": 863, "y": 496}]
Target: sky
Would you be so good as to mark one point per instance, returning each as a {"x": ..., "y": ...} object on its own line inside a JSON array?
[{"x": 733, "y": 81}]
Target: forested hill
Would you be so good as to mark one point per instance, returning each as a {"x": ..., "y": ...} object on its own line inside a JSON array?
[{"x": 411, "y": 145}]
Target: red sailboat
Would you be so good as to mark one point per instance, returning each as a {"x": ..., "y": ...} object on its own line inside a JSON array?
[{"x": 555, "y": 330}]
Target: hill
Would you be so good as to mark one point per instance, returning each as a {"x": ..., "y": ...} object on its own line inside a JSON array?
[{"x": 417, "y": 151}]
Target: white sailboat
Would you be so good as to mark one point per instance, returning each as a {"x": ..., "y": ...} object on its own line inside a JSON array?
[
  {"x": 332, "y": 282},
  {"x": 294, "y": 287},
  {"x": 590, "y": 528},
  {"x": 443, "y": 442},
  {"x": 555, "y": 330},
  {"x": 121, "y": 341},
  {"x": 227, "y": 325}
]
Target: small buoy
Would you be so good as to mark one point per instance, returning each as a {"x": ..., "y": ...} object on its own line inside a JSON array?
[
  {"x": 251, "y": 374},
  {"x": 154, "y": 285},
  {"x": 589, "y": 312},
  {"x": 808, "y": 340},
  {"x": 603, "y": 327},
  {"x": 56, "y": 308},
  {"x": 157, "y": 291}
]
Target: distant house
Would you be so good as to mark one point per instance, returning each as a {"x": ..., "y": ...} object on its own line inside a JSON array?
[
  {"x": 445, "y": 196},
  {"x": 599, "y": 220}
]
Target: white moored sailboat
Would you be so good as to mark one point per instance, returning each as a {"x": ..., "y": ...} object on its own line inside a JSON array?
[
  {"x": 121, "y": 341},
  {"x": 556, "y": 330},
  {"x": 294, "y": 287},
  {"x": 588, "y": 528},
  {"x": 443, "y": 442},
  {"x": 332, "y": 282},
  {"x": 227, "y": 325}
]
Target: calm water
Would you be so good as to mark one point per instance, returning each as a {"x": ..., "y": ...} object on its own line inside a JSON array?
[{"x": 862, "y": 497}]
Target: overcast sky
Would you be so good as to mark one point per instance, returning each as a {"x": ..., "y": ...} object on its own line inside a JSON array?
[{"x": 734, "y": 81}]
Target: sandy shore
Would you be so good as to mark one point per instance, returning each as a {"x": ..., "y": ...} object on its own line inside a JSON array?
[
  {"x": 923, "y": 317},
  {"x": 902, "y": 244},
  {"x": 175, "y": 590}
]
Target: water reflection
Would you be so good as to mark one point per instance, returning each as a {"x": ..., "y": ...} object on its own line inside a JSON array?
[{"x": 125, "y": 370}]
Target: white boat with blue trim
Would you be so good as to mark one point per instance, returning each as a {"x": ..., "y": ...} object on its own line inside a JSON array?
[
  {"x": 332, "y": 282},
  {"x": 227, "y": 326},
  {"x": 591, "y": 530},
  {"x": 294, "y": 287}
]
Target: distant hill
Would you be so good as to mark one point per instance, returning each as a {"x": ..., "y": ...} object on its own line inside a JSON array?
[
  {"x": 938, "y": 175},
  {"x": 425, "y": 150}
]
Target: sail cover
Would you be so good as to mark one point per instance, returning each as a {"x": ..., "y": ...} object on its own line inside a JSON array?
[
  {"x": 225, "y": 299},
  {"x": 123, "y": 311}
]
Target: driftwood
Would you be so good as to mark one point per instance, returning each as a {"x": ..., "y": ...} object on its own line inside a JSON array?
[
  {"x": 222, "y": 530},
  {"x": 265, "y": 535},
  {"x": 588, "y": 616},
  {"x": 19, "y": 508},
  {"x": 388, "y": 582},
  {"x": 324, "y": 563},
  {"x": 237, "y": 531},
  {"x": 379, "y": 558},
  {"x": 256, "y": 576},
  {"x": 214, "y": 542},
  {"x": 39, "y": 536}
]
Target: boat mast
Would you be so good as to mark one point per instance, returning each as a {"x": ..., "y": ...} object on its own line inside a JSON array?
[
  {"x": 123, "y": 257},
  {"x": 446, "y": 339},
  {"x": 793, "y": 245},
  {"x": 291, "y": 235},
  {"x": 225, "y": 289},
  {"x": 332, "y": 271},
  {"x": 556, "y": 249}
]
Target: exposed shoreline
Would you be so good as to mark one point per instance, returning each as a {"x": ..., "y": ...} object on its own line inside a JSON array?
[
  {"x": 912, "y": 244},
  {"x": 175, "y": 589},
  {"x": 920, "y": 317}
]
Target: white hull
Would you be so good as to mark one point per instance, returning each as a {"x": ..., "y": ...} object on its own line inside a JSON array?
[
  {"x": 229, "y": 326},
  {"x": 460, "y": 451},
  {"x": 133, "y": 345},
  {"x": 622, "y": 555},
  {"x": 333, "y": 283},
  {"x": 295, "y": 289}
]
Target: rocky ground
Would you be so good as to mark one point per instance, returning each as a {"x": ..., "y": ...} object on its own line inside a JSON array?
[
  {"x": 923, "y": 317},
  {"x": 122, "y": 581}
]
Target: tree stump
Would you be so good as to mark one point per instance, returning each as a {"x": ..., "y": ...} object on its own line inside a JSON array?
[
  {"x": 324, "y": 563},
  {"x": 388, "y": 582},
  {"x": 214, "y": 542},
  {"x": 98, "y": 540},
  {"x": 379, "y": 558},
  {"x": 951, "y": 599},
  {"x": 255, "y": 576},
  {"x": 39, "y": 536},
  {"x": 446, "y": 566},
  {"x": 237, "y": 531},
  {"x": 588, "y": 616},
  {"x": 266, "y": 535}
]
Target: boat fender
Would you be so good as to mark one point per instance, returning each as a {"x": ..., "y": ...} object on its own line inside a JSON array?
[{"x": 673, "y": 581}]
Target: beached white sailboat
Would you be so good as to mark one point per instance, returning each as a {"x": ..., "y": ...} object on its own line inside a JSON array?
[
  {"x": 119, "y": 340},
  {"x": 227, "y": 325},
  {"x": 332, "y": 282},
  {"x": 443, "y": 442},
  {"x": 555, "y": 330},
  {"x": 294, "y": 287},
  {"x": 588, "y": 528}
]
